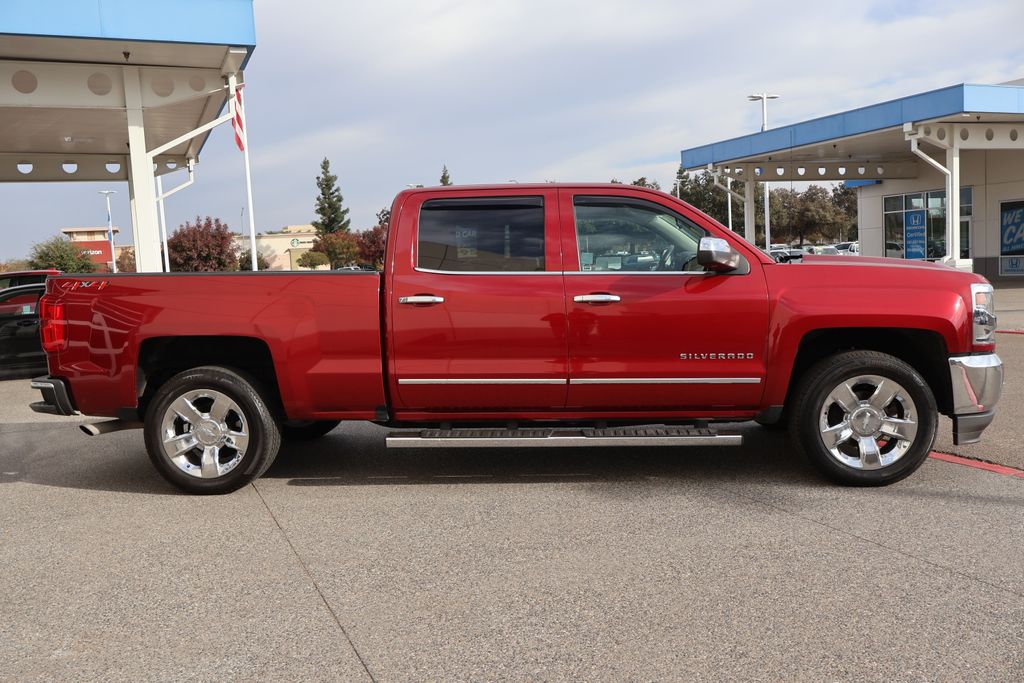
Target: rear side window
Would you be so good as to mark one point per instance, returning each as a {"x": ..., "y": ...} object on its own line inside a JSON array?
[
  {"x": 489, "y": 234},
  {"x": 28, "y": 280}
]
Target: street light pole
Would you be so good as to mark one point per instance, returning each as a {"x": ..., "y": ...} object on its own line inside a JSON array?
[
  {"x": 764, "y": 97},
  {"x": 110, "y": 230}
]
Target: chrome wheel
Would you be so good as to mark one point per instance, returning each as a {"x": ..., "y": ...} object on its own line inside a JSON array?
[
  {"x": 868, "y": 422},
  {"x": 204, "y": 433}
]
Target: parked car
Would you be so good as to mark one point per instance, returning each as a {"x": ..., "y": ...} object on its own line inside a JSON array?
[
  {"x": 848, "y": 248},
  {"x": 25, "y": 277},
  {"x": 894, "y": 250},
  {"x": 21, "y": 351},
  {"x": 486, "y": 328}
]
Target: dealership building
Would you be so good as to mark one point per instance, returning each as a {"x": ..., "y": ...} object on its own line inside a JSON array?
[{"x": 939, "y": 175}]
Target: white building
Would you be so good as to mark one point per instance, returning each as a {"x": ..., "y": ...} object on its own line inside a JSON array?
[{"x": 940, "y": 175}]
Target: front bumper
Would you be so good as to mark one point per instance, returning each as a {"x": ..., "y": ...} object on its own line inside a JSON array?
[
  {"x": 977, "y": 385},
  {"x": 56, "y": 399}
]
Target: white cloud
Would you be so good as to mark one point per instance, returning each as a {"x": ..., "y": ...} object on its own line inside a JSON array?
[{"x": 535, "y": 90}]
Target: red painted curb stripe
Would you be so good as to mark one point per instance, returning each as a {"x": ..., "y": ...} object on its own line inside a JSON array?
[
  {"x": 987, "y": 466},
  {"x": 1010, "y": 331}
]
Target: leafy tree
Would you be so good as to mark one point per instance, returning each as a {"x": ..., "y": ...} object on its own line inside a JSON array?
[
  {"x": 372, "y": 244},
  {"x": 845, "y": 200},
  {"x": 341, "y": 249},
  {"x": 818, "y": 216},
  {"x": 699, "y": 190},
  {"x": 445, "y": 178},
  {"x": 126, "y": 261},
  {"x": 60, "y": 253},
  {"x": 204, "y": 246},
  {"x": 14, "y": 265},
  {"x": 642, "y": 181},
  {"x": 313, "y": 260},
  {"x": 332, "y": 217},
  {"x": 245, "y": 260},
  {"x": 384, "y": 216}
]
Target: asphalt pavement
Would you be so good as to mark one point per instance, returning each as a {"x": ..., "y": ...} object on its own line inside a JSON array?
[{"x": 350, "y": 562}]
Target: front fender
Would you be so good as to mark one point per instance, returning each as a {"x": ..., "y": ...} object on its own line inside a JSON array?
[{"x": 799, "y": 311}]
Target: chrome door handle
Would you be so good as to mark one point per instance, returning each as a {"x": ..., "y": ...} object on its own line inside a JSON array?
[
  {"x": 421, "y": 299},
  {"x": 596, "y": 298}
]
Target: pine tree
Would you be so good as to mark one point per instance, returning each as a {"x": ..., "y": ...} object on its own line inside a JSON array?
[
  {"x": 332, "y": 217},
  {"x": 445, "y": 178}
]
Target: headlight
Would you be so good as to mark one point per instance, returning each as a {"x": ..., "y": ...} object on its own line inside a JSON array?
[{"x": 984, "y": 316}]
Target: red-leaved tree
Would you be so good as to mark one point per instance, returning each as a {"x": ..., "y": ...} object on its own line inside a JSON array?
[
  {"x": 341, "y": 248},
  {"x": 371, "y": 246},
  {"x": 202, "y": 247}
]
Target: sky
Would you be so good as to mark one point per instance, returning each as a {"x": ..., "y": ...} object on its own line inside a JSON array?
[{"x": 531, "y": 90}]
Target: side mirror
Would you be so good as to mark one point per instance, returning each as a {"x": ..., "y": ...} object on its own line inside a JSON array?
[{"x": 715, "y": 254}]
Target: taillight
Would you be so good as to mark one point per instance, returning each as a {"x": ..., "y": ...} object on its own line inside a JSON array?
[{"x": 53, "y": 326}]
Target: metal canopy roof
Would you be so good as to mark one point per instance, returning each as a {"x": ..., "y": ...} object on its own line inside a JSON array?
[
  {"x": 101, "y": 90},
  {"x": 868, "y": 134},
  {"x": 62, "y": 96}
]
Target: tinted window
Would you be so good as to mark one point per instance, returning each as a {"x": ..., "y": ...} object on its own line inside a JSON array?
[
  {"x": 28, "y": 280},
  {"x": 629, "y": 235},
  {"x": 482, "y": 234},
  {"x": 5, "y": 282},
  {"x": 19, "y": 303}
]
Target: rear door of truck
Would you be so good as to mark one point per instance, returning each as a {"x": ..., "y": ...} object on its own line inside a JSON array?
[{"x": 476, "y": 303}]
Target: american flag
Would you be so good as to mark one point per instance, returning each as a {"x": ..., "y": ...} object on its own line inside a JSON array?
[{"x": 238, "y": 123}]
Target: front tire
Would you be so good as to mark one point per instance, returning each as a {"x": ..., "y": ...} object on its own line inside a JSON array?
[
  {"x": 208, "y": 430},
  {"x": 864, "y": 418}
]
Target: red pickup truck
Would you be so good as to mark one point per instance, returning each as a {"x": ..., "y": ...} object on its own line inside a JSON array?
[{"x": 532, "y": 315}]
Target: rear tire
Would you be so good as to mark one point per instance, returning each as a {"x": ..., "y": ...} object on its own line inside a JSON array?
[
  {"x": 208, "y": 430},
  {"x": 864, "y": 418},
  {"x": 306, "y": 430}
]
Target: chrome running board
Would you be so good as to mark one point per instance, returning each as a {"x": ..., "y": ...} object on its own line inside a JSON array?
[{"x": 560, "y": 438}]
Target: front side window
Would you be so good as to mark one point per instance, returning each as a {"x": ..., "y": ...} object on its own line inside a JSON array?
[
  {"x": 619, "y": 234},
  {"x": 488, "y": 234}
]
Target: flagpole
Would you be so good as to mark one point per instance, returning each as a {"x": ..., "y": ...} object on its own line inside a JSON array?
[
  {"x": 240, "y": 113},
  {"x": 110, "y": 231}
]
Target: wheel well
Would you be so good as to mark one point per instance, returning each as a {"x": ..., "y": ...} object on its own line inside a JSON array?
[
  {"x": 160, "y": 358},
  {"x": 923, "y": 350}
]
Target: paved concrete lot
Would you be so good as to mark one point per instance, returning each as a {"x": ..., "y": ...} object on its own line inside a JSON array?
[{"x": 348, "y": 562}]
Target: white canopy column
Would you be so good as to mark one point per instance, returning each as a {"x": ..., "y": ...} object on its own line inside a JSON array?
[{"x": 140, "y": 179}]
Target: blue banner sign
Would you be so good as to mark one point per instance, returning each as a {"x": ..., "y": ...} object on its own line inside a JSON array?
[
  {"x": 1011, "y": 229},
  {"x": 915, "y": 234}
]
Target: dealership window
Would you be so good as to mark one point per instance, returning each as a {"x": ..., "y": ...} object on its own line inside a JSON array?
[
  {"x": 915, "y": 224},
  {"x": 495, "y": 234}
]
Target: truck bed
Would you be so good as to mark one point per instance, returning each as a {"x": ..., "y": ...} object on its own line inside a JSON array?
[{"x": 300, "y": 330}]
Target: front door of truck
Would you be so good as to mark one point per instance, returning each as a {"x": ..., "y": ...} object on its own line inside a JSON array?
[
  {"x": 477, "y": 304},
  {"x": 648, "y": 327}
]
